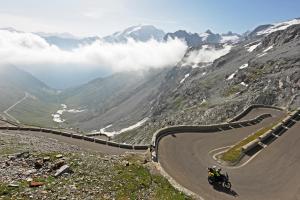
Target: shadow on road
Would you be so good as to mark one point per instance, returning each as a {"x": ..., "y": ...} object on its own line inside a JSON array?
[
  {"x": 254, "y": 150},
  {"x": 220, "y": 188}
]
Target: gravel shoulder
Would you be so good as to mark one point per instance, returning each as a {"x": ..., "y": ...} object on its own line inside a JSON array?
[{"x": 38, "y": 167}]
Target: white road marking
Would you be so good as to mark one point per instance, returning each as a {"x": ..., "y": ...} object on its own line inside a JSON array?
[
  {"x": 245, "y": 163},
  {"x": 236, "y": 167}
]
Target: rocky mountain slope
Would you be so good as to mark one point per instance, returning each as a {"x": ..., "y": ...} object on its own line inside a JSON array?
[
  {"x": 120, "y": 99},
  {"x": 263, "y": 70},
  {"x": 260, "y": 69},
  {"x": 213, "y": 82}
]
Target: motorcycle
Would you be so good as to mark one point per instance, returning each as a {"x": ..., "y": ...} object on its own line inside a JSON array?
[{"x": 222, "y": 180}]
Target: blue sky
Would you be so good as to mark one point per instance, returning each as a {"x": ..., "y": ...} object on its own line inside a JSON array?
[{"x": 102, "y": 17}]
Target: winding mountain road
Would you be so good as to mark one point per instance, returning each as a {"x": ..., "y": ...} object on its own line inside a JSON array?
[
  {"x": 271, "y": 175},
  {"x": 15, "y": 104}
]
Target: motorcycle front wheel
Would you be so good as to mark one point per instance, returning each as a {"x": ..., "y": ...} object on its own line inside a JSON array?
[{"x": 227, "y": 185}]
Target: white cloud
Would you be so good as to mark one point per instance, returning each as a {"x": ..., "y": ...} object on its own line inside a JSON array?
[
  {"x": 206, "y": 55},
  {"x": 27, "y": 49}
]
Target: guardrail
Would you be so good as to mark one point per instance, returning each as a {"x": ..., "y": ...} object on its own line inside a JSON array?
[
  {"x": 249, "y": 108},
  {"x": 80, "y": 137},
  {"x": 270, "y": 133},
  {"x": 96, "y": 134},
  {"x": 10, "y": 122},
  {"x": 195, "y": 129},
  {"x": 233, "y": 123}
]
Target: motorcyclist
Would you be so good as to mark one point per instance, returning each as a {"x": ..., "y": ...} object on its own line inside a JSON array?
[
  {"x": 215, "y": 172},
  {"x": 215, "y": 176}
]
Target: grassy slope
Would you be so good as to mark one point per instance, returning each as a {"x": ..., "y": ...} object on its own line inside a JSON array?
[{"x": 35, "y": 112}]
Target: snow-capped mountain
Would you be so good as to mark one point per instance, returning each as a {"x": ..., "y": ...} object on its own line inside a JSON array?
[
  {"x": 270, "y": 28},
  {"x": 207, "y": 37},
  {"x": 138, "y": 33},
  {"x": 191, "y": 39}
]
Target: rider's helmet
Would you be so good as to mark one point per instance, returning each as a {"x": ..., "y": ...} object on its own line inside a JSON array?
[{"x": 214, "y": 167}]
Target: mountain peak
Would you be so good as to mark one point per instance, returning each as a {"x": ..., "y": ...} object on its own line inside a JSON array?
[
  {"x": 142, "y": 32},
  {"x": 208, "y": 31},
  {"x": 192, "y": 39}
]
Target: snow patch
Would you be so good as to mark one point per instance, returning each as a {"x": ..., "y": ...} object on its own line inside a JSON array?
[
  {"x": 268, "y": 49},
  {"x": 134, "y": 30},
  {"x": 203, "y": 36},
  {"x": 261, "y": 55},
  {"x": 232, "y": 76},
  {"x": 203, "y": 101},
  {"x": 195, "y": 66},
  {"x": 253, "y": 47},
  {"x": 244, "y": 66},
  {"x": 244, "y": 84},
  {"x": 185, "y": 77},
  {"x": 75, "y": 111},
  {"x": 113, "y": 133},
  {"x": 57, "y": 116}
]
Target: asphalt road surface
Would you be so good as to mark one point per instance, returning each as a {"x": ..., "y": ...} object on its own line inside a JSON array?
[{"x": 272, "y": 175}]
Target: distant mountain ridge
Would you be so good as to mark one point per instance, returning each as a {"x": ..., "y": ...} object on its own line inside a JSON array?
[
  {"x": 208, "y": 37},
  {"x": 140, "y": 33}
]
